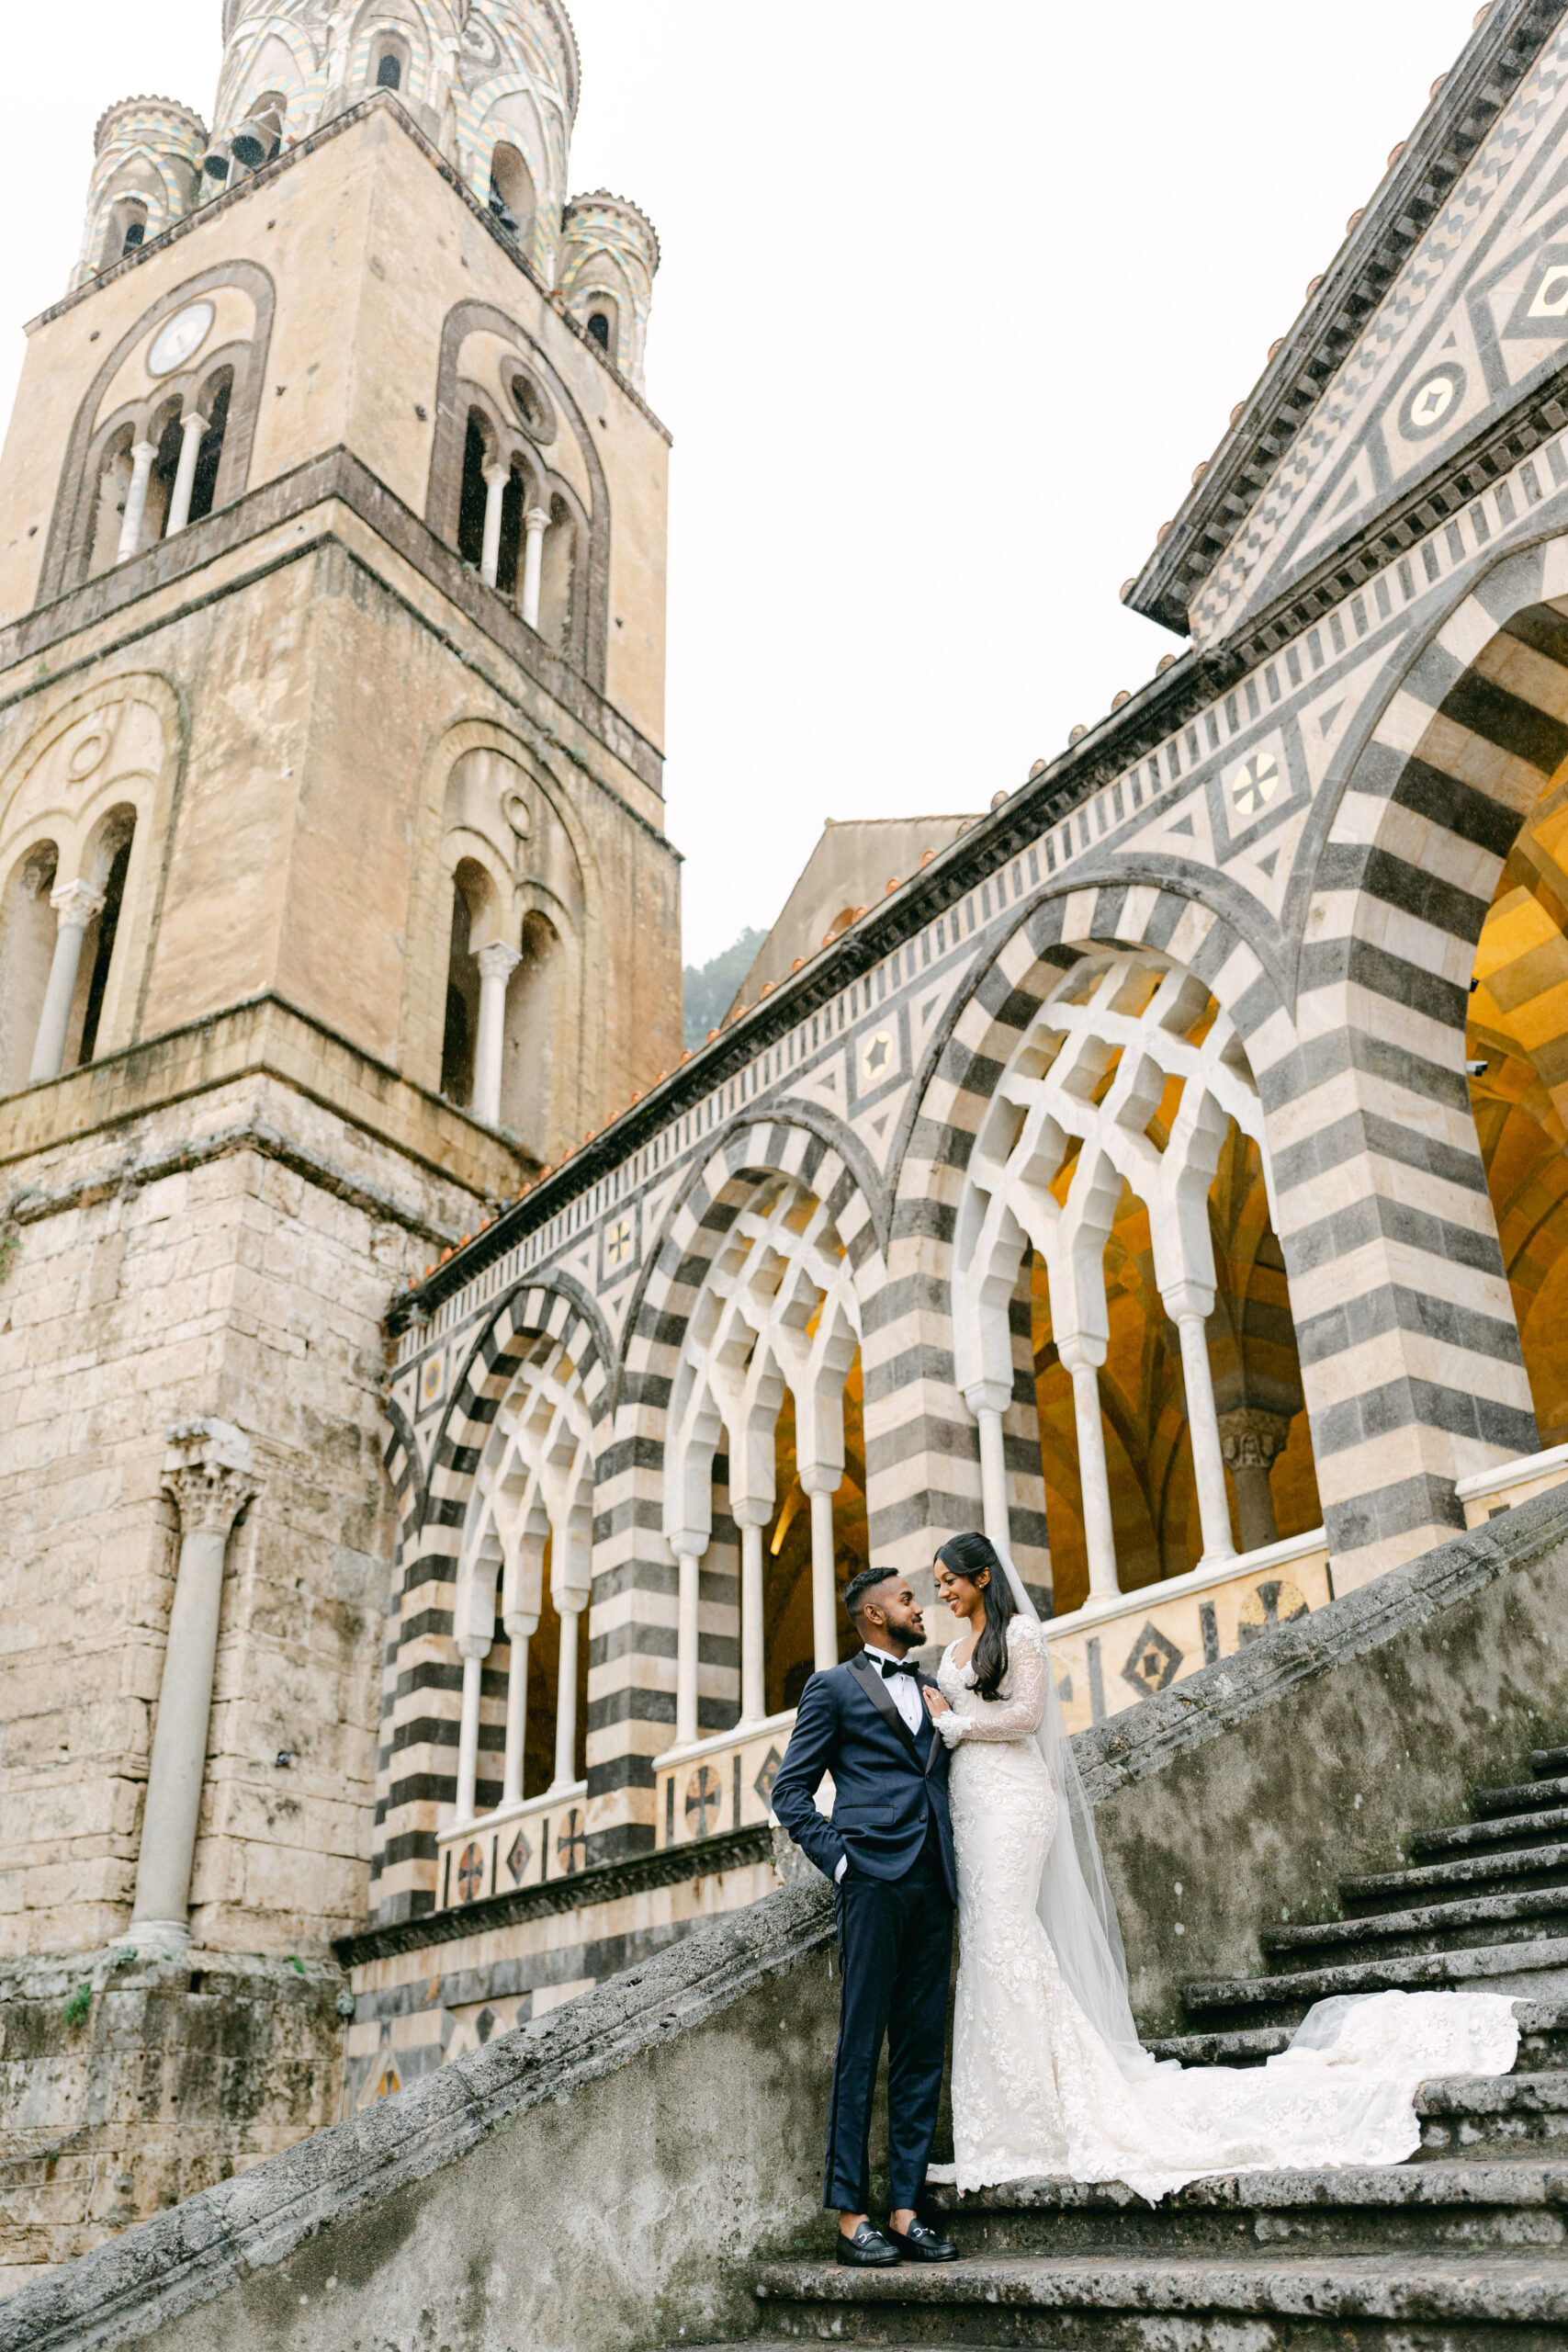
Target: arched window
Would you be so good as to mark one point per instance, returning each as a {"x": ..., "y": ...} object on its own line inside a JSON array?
[
  {"x": 462, "y": 1027},
  {"x": 27, "y": 949},
  {"x": 602, "y": 324},
  {"x": 557, "y": 577},
  {"x": 114, "y": 488},
  {"x": 114, "y": 853},
  {"x": 471, "y": 502},
  {"x": 127, "y": 230},
  {"x": 512, "y": 192},
  {"x": 169, "y": 440},
  {"x": 214, "y": 404},
  {"x": 389, "y": 63},
  {"x": 528, "y": 1078}
]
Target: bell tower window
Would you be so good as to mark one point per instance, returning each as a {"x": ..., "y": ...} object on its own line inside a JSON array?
[
  {"x": 389, "y": 72},
  {"x": 599, "y": 327}
]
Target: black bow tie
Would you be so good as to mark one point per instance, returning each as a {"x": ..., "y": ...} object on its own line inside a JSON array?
[{"x": 891, "y": 1666}]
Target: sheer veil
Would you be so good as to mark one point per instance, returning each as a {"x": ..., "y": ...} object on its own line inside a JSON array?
[{"x": 1076, "y": 1907}]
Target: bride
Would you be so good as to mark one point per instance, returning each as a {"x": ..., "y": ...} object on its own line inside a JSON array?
[{"x": 1048, "y": 2073}]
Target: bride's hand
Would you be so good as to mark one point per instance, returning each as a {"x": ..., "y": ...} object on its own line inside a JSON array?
[{"x": 936, "y": 1704}]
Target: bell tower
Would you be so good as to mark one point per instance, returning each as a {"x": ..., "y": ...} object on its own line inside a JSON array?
[{"x": 335, "y": 902}]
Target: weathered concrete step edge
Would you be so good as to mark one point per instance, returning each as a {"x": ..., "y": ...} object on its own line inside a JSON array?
[
  {"x": 1512, "y": 2093},
  {"x": 1470, "y": 1837},
  {"x": 1433, "y": 1918},
  {"x": 1547, "y": 1763},
  {"x": 1472, "y": 1870},
  {"x": 126, "y": 2288},
  {"x": 1526, "y": 1797},
  {"x": 1537, "y": 2020},
  {"x": 1471, "y": 1965},
  {"x": 1513, "y": 2181},
  {"x": 1431, "y": 2286}
]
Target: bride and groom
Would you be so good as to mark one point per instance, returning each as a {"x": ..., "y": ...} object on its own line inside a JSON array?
[{"x": 960, "y": 1796}]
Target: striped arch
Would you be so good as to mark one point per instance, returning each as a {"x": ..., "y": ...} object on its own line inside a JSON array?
[
  {"x": 631, "y": 1678},
  {"x": 936, "y": 1440},
  {"x": 1410, "y": 1349},
  {"x": 422, "y": 1690}
]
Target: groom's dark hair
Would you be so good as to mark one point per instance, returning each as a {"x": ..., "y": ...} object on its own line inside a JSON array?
[{"x": 858, "y": 1587}]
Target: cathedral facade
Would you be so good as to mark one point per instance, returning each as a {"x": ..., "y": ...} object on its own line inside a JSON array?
[{"x": 444, "y": 1412}]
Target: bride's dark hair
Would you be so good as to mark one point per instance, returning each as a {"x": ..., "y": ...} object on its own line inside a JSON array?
[{"x": 969, "y": 1556}]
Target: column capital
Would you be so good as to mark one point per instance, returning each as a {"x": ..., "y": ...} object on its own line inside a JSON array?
[
  {"x": 190, "y": 416},
  {"x": 209, "y": 1471},
  {"x": 1189, "y": 1302},
  {"x": 750, "y": 1511},
  {"x": 474, "y": 1647},
  {"x": 75, "y": 904},
  {"x": 1251, "y": 1438},
  {"x": 521, "y": 1624},
  {"x": 988, "y": 1397},
  {"x": 143, "y": 452},
  {"x": 687, "y": 1544},
  {"x": 1081, "y": 1351},
  {"x": 496, "y": 476},
  {"x": 820, "y": 1477},
  {"x": 496, "y": 961},
  {"x": 537, "y": 518}
]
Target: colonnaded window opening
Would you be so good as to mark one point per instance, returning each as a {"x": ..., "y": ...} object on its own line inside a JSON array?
[
  {"x": 28, "y": 930},
  {"x": 389, "y": 72},
  {"x": 462, "y": 1018},
  {"x": 1517, "y": 1046},
  {"x": 1120, "y": 1297},
  {"x": 511, "y": 198},
  {"x": 98, "y": 960},
  {"x": 473, "y": 496}
]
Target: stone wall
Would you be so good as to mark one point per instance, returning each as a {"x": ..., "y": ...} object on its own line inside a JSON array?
[
  {"x": 128, "y": 2082},
  {"x": 600, "y": 2177}
]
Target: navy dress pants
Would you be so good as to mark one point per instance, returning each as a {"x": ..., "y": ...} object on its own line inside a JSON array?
[{"x": 895, "y": 1957}]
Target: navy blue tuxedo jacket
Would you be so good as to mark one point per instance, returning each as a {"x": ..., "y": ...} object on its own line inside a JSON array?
[{"x": 889, "y": 1784}]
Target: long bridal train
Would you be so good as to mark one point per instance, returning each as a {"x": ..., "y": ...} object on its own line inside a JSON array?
[{"x": 1048, "y": 2076}]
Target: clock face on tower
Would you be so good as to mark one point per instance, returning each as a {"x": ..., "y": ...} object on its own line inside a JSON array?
[{"x": 177, "y": 343}]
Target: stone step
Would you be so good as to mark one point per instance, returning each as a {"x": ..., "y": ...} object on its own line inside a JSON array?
[
  {"x": 1528, "y": 1796},
  {"x": 1475, "y": 1871},
  {"x": 1548, "y": 1763},
  {"x": 1308, "y": 2304},
  {"x": 1478, "y": 1837},
  {"x": 1543, "y": 2041},
  {"x": 1504, "y": 1967},
  {"x": 1518, "y": 2201},
  {"x": 1481, "y": 1918},
  {"x": 1491, "y": 2112}
]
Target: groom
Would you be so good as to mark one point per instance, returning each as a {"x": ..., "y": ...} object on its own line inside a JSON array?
[{"x": 888, "y": 1851}]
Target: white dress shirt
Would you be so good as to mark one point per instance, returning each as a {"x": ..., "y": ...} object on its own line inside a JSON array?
[{"x": 905, "y": 1694}]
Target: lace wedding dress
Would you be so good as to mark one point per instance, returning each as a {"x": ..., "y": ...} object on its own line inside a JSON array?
[{"x": 1037, "y": 2087}]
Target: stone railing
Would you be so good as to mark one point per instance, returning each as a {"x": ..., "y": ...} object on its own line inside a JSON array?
[
  {"x": 1491, "y": 1491},
  {"x": 516, "y": 1845}
]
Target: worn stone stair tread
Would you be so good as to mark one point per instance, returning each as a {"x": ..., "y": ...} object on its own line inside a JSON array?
[
  {"x": 1470, "y": 1837},
  {"x": 1548, "y": 1763},
  {"x": 1247, "y": 2042},
  {"x": 1471, "y": 1869},
  {"x": 1494, "y": 2095},
  {"x": 1503, "y": 2288},
  {"x": 1478, "y": 2179},
  {"x": 1432, "y": 1919},
  {"x": 1472, "y": 1963},
  {"x": 1525, "y": 1797}
]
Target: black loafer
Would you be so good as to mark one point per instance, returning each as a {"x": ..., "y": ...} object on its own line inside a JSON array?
[
  {"x": 920, "y": 2243},
  {"x": 867, "y": 2250}
]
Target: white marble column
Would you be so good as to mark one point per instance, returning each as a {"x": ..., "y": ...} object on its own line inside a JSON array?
[
  {"x": 473, "y": 1649},
  {"x": 988, "y": 1400},
  {"x": 821, "y": 1485},
  {"x": 520, "y": 1631},
  {"x": 1083, "y": 1355},
  {"x": 1190, "y": 1306},
  {"x": 536, "y": 523},
  {"x": 495, "y": 479},
  {"x": 688, "y": 1550},
  {"x": 208, "y": 1474},
  {"x": 751, "y": 1518},
  {"x": 75, "y": 904},
  {"x": 497, "y": 963},
  {"x": 193, "y": 425},
  {"x": 142, "y": 457},
  {"x": 569, "y": 1607}
]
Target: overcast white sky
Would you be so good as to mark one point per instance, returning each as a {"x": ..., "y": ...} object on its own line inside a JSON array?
[{"x": 952, "y": 301}]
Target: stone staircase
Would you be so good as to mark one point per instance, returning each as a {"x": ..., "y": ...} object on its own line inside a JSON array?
[{"x": 1462, "y": 2249}]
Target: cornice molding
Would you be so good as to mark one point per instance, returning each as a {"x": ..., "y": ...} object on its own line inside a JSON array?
[{"x": 1474, "y": 94}]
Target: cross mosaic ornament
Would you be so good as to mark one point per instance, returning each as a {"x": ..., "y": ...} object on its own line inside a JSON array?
[
  {"x": 571, "y": 1846},
  {"x": 704, "y": 1796},
  {"x": 470, "y": 1873}
]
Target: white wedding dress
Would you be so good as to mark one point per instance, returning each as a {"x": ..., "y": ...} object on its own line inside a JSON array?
[{"x": 1037, "y": 2089}]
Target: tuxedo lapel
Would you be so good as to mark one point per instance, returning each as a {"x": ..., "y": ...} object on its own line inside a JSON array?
[{"x": 882, "y": 1698}]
